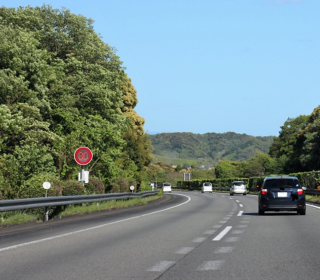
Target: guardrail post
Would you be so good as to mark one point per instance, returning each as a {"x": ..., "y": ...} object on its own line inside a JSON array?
[
  {"x": 46, "y": 210},
  {"x": 46, "y": 214}
]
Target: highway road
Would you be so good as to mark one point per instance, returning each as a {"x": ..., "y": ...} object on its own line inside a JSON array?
[{"x": 186, "y": 235}]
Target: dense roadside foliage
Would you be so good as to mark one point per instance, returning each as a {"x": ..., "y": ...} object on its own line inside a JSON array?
[
  {"x": 311, "y": 180},
  {"x": 62, "y": 87},
  {"x": 297, "y": 148}
]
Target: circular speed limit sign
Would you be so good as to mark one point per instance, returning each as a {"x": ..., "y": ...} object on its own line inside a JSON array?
[{"x": 83, "y": 155}]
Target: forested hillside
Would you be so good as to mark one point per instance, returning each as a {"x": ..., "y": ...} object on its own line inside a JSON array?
[
  {"x": 62, "y": 87},
  {"x": 209, "y": 147}
]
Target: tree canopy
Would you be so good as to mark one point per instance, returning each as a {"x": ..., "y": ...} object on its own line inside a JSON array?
[
  {"x": 62, "y": 87},
  {"x": 297, "y": 146}
]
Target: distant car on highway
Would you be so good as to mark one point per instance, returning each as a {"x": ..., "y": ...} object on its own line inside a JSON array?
[
  {"x": 166, "y": 187},
  {"x": 238, "y": 187},
  {"x": 206, "y": 187},
  {"x": 282, "y": 194}
]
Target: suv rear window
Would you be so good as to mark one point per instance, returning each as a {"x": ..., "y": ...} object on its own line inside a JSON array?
[
  {"x": 166, "y": 184},
  {"x": 207, "y": 184},
  {"x": 238, "y": 183},
  {"x": 281, "y": 183}
]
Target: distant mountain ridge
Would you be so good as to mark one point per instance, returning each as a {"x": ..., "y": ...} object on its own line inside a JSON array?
[{"x": 209, "y": 147}]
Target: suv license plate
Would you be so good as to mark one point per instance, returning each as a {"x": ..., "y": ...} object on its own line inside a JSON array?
[{"x": 282, "y": 194}]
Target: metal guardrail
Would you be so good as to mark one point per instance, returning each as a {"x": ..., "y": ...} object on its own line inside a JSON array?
[
  {"x": 16, "y": 204},
  {"x": 313, "y": 192}
]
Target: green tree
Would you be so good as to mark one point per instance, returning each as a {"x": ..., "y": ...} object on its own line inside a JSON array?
[
  {"x": 287, "y": 146},
  {"x": 224, "y": 169},
  {"x": 310, "y": 155},
  {"x": 62, "y": 87}
]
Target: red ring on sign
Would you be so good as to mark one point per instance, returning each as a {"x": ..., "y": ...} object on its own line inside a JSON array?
[{"x": 83, "y": 155}]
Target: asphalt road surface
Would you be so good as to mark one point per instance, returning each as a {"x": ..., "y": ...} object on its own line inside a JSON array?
[{"x": 186, "y": 235}]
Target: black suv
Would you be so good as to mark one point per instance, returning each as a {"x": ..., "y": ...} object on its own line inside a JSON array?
[{"x": 282, "y": 194}]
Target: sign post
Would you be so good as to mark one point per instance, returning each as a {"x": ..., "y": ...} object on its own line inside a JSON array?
[
  {"x": 46, "y": 186},
  {"x": 83, "y": 156}
]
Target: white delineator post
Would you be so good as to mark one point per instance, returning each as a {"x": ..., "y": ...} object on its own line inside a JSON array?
[{"x": 46, "y": 185}]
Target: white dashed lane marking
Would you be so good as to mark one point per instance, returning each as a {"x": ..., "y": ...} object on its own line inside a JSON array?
[
  {"x": 199, "y": 239},
  {"x": 241, "y": 226},
  {"x": 232, "y": 239},
  {"x": 240, "y": 205},
  {"x": 184, "y": 250},
  {"x": 217, "y": 226},
  {"x": 240, "y": 213},
  {"x": 223, "y": 250},
  {"x": 212, "y": 231},
  {"x": 238, "y": 231},
  {"x": 161, "y": 266},
  {"x": 211, "y": 265},
  {"x": 222, "y": 233}
]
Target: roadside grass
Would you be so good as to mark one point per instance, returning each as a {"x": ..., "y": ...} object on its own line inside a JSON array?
[
  {"x": 106, "y": 205},
  {"x": 18, "y": 217},
  {"x": 313, "y": 198}
]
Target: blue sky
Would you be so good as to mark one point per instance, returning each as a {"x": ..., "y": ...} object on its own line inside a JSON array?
[{"x": 212, "y": 65}]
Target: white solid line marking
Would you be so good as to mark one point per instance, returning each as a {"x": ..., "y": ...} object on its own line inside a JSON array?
[
  {"x": 222, "y": 234},
  {"x": 223, "y": 250},
  {"x": 161, "y": 266},
  {"x": 91, "y": 228},
  {"x": 184, "y": 250},
  {"x": 211, "y": 265},
  {"x": 313, "y": 206},
  {"x": 240, "y": 213},
  {"x": 199, "y": 239},
  {"x": 240, "y": 205}
]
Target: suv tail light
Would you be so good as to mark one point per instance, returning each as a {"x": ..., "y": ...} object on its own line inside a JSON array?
[
  {"x": 300, "y": 191},
  {"x": 264, "y": 191}
]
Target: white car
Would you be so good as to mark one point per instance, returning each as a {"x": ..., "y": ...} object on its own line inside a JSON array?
[
  {"x": 166, "y": 187},
  {"x": 206, "y": 187},
  {"x": 238, "y": 187}
]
